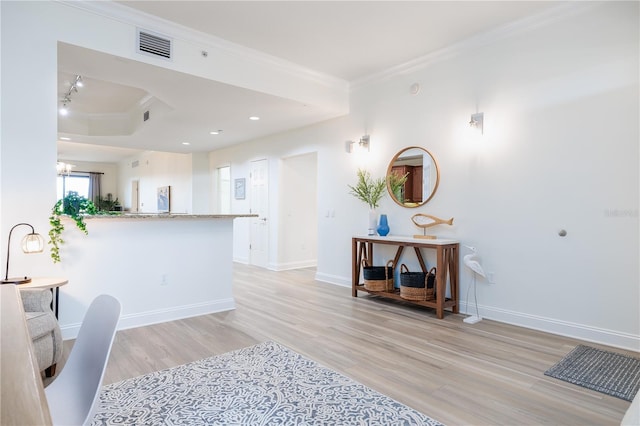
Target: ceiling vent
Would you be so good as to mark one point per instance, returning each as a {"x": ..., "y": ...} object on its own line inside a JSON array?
[{"x": 154, "y": 44}]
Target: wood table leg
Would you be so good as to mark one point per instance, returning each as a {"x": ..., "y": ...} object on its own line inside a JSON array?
[
  {"x": 453, "y": 278},
  {"x": 396, "y": 259},
  {"x": 421, "y": 260},
  {"x": 441, "y": 282},
  {"x": 355, "y": 268}
]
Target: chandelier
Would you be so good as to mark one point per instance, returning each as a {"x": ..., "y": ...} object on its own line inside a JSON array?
[{"x": 64, "y": 168}]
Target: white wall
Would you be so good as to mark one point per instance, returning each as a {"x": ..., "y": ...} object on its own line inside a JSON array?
[
  {"x": 202, "y": 184},
  {"x": 559, "y": 151},
  {"x": 153, "y": 170},
  {"x": 30, "y": 33},
  {"x": 141, "y": 262},
  {"x": 298, "y": 212}
]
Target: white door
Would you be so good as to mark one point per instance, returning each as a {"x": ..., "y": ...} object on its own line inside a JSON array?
[
  {"x": 134, "y": 196},
  {"x": 259, "y": 204}
]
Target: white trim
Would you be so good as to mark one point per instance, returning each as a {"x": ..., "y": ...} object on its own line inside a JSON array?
[
  {"x": 145, "y": 21},
  {"x": 534, "y": 322},
  {"x": 554, "y": 326},
  {"x": 333, "y": 279},
  {"x": 311, "y": 263},
  {"x": 548, "y": 16},
  {"x": 161, "y": 315}
]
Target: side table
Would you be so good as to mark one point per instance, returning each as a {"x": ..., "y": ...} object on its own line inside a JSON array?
[{"x": 47, "y": 282}]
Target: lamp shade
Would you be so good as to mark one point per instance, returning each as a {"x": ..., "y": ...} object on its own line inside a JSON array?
[{"x": 33, "y": 243}]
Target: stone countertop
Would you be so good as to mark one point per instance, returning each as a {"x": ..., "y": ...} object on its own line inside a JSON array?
[{"x": 167, "y": 216}]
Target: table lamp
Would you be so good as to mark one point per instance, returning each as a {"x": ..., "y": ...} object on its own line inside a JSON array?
[{"x": 31, "y": 243}]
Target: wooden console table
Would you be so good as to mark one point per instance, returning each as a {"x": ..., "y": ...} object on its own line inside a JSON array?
[
  {"x": 22, "y": 397},
  {"x": 446, "y": 267}
]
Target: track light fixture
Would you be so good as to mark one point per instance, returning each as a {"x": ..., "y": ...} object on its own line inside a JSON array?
[{"x": 67, "y": 97}]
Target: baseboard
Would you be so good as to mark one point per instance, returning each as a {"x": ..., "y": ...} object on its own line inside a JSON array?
[
  {"x": 161, "y": 315},
  {"x": 549, "y": 325},
  {"x": 333, "y": 279},
  {"x": 311, "y": 263}
]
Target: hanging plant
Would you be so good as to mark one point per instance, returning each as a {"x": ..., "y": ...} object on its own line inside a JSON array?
[
  {"x": 368, "y": 190},
  {"x": 74, "y": 206}
]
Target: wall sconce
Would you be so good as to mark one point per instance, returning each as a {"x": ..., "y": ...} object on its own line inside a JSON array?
[
  {"x": 361, "y": 146},
  {"x": 477, "y": 121},
  {"x": 31, "y": 243}
]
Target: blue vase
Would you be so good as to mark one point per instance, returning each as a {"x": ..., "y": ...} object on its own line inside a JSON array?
[{"x": 383, "y": 228}]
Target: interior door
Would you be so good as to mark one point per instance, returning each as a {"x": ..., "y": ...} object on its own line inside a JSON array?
[
  {"x": 134, "y": 196},
  {"x": 259, "y": 204}
]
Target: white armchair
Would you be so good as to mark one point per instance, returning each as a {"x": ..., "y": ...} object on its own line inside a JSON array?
[{"x": 43, "y": 328}]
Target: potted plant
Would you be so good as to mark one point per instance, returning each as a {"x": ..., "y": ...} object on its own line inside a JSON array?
[
  {"x": 396, "y": 184},
  {"x": 371, "y": 192},
  {"x": 74, "y": 206}
]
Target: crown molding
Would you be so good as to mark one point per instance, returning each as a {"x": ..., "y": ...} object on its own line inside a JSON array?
[
  {"x": 112, "y": 10},
  {"x": 547, "y": 17}
]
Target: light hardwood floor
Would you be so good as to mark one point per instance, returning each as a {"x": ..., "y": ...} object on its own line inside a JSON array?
[{"x": 460, "y": 374}]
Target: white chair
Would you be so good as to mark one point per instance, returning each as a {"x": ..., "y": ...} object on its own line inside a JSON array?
[{"x": 73, "y": 395}]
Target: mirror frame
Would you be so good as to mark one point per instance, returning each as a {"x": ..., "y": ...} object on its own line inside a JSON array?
[{"x": 435, "y": 187}]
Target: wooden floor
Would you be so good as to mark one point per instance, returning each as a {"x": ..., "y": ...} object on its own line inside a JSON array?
[{"x": 460, "y": 374}]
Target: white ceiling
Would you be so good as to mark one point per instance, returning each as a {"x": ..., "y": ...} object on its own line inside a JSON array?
[{"x": 348, "y": 40}]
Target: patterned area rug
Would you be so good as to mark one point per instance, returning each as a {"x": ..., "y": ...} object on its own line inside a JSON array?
[
  {"x": 265, "y": 384},
  {"x": 607, "y": 372}
]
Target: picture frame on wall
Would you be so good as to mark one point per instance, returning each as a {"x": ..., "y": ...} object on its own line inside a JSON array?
[
  {"x": 164, "y": 194},
  {"x": 239, "y": 187}
]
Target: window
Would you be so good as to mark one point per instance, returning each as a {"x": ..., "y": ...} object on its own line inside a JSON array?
[
  {"x": 224, "y": 189},
  {"x": 77, "y": 183}
]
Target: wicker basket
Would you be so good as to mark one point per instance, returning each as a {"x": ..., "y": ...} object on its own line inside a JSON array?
[
  {"x": 417, "y": 285},
  {"x": 378, "y": 278}
]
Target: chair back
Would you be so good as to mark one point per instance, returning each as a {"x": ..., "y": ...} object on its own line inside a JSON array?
[{"x": 72, "y": 397}]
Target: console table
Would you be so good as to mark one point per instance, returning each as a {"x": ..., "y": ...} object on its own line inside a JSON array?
[
  {"x": 446, "y": 267},
  {"x": 22, "y": 397}
]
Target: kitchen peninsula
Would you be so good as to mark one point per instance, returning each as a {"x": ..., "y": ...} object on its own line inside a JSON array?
[{"x": 161, "y": 267}]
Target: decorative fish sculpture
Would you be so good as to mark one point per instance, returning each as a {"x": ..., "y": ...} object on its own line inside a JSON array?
[{"x": 425, "y": 221}]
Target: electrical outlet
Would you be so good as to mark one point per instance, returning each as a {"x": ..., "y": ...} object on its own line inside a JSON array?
[
  {"x": 164, "y": 280},
  {"x": 491, "y": 277}
]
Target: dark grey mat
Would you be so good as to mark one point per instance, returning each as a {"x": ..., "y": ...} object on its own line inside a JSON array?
[{"x": 603, "y": 371}]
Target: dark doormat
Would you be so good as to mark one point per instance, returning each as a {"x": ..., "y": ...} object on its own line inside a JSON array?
[{"x": 603, "y": 371}]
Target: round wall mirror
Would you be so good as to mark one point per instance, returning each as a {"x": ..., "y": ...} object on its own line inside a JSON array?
[{"x": 412, "y": 177}]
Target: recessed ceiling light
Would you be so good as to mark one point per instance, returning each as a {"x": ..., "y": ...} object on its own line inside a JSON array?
[
  {"x": 254, "y": 118},
  {"x": 186, "y": 143},
  {"x": 64, "y": 138}
]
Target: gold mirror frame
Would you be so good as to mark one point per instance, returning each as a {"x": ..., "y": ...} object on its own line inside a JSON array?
[{"x": 405, "y": 162}]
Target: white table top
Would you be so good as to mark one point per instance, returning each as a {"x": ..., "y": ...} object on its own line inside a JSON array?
[
  {"x": 407, "y": 239},
  {"x": 44, "y": 282}
]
